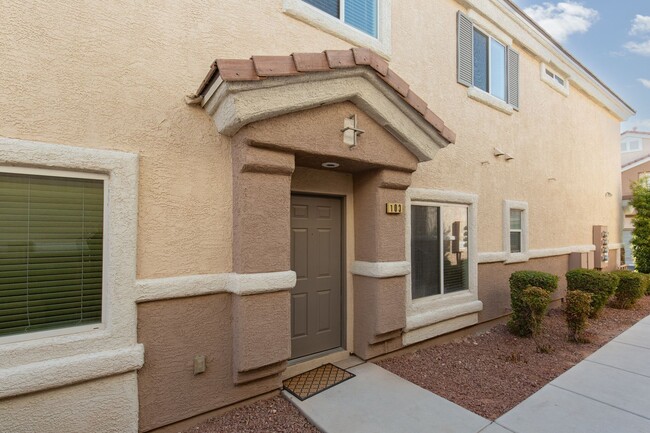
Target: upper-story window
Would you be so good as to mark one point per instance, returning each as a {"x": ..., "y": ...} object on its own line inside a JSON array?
[
  {"x": 631, "y": 145},
  {"x": 487, "y": 63},
  {"x": 554, "y": 79},
  {"x": 364, "y": 23},
  {"x": 360, "y": 14}
]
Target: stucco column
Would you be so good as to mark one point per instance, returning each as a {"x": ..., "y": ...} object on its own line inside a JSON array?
[
  {"x": 261, "y": 252},
  {"x": 380, "y": 269}
]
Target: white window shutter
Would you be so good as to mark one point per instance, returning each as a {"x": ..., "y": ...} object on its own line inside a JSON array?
[
  {"x": 465, "y": 50},
  {"x": 513, "y": 78}
]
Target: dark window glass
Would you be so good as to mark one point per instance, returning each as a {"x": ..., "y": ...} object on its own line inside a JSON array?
[
  {"x": 480, "y": 60},
  {"x": 456, "y": 242},
  {"x": 425, "y": 251}
]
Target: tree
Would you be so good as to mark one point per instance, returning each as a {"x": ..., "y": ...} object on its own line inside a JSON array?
[{"x": 641, "y": 234}]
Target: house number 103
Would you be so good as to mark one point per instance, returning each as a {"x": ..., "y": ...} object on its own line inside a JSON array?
[{"x": 393, "y": 208}]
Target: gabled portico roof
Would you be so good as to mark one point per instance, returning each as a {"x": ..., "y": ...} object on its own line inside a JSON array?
[{"x": 379, "y": 85}]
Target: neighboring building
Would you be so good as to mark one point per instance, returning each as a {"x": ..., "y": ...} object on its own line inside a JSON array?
[
  {"x": 635, "y": 160},
  {"x": 249, "y": 229}
]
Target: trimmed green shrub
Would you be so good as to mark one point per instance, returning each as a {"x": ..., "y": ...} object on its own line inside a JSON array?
[
  {"x": 631, "y": 287},
  {"x": 522, "y": 279},
  {"x": 601, "y": 285},
  {"x": 646, "y": 282},
  {"x": 641, "y": 233},
  {"x": 524, "y": 306},
  {"x": 536, "y": 301},
  {"x": 578, "y": 307}
]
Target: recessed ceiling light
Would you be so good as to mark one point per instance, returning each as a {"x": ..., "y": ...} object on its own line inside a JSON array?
[{"x": 330, "y": 164}]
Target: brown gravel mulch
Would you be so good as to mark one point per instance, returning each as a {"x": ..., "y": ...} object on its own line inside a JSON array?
[
  {"x": 275, "y": 415},
  {"x": 491, "y": 373},
  {"x": 488, "y": 374}
]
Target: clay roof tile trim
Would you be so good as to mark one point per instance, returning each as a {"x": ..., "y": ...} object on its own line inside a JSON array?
[
  {"x": 311, "y": 62},
  {"x": 340, "y": 59},
  {"x": 274, "y": 66},
  {"x": 261, "y": 67}
]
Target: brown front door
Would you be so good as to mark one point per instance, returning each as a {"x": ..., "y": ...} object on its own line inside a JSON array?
[{"x": 316, "y": 259}]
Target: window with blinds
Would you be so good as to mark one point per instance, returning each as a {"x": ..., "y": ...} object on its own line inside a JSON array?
[
  {"x": 516, "y": 230},
  {"x": 51, "y": 252},
  {"x": 439, "y": 250},
  {"x": 360, "y": 14}
]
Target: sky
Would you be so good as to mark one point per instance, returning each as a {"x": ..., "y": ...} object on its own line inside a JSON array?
[{"x": 611, "y": 38}]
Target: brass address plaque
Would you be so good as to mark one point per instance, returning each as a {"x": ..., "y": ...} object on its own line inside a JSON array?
[{"x": 393, "y": 208}]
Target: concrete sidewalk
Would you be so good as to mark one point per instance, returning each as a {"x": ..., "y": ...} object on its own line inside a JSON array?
[{"x": 609, "y": 392}]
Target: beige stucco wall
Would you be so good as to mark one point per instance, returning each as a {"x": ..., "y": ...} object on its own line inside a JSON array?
[
  {"x": 113, "y": 76},
  {"x": 107, "y": 405},
  {"x": 75, "y": 74}
]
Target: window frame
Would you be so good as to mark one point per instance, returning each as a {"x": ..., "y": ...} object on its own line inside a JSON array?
[
  {"x": 337, "y": 27},
  {"x": 627, "y": 142},
  {"x": 523, "y": 255},
  {"x": 46, "y": 172},
  {"x": 477, "y": 22},
  {"x": 490, "y": 39},
  {"x": 441, "y": 245},
  {"x": 552, "y": 81},
  {"x": 422, "y": 196},
  {"x": 424, "y": 316}
]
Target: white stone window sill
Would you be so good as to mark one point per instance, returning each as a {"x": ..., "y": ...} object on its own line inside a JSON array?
[
  {"x": 435, "y": 309},
  {"x": 490, "y": 100},
  {"x": 517, "y": 258},
  {"x": 319, "y": 19}
]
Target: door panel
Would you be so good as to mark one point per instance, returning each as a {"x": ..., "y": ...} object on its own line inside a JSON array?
[{"x": 316, "y": 259}]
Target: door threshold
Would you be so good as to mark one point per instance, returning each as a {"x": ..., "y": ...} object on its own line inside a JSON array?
[{"x": 305, "y": 363}]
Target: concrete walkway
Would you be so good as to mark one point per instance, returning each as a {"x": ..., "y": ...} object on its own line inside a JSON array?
[{"x": 609, "y": 392}]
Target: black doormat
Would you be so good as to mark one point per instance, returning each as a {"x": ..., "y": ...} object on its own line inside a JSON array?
[{"x": 319, "y": 379}]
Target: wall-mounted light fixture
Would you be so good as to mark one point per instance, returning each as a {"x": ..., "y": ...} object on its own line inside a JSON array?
[
  {"x": 350, "y": 131},
  {"x": 509, "y": 157},
  {"x": 498, "y": 152},
  {"x": 608, "y": 194}
]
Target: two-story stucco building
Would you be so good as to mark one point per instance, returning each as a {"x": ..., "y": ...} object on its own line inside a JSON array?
[
  {"x": 348, "y": 177},
  {"x": 635, "y": 166}
]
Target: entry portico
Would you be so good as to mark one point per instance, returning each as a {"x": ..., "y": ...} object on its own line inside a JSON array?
[{"x": 285, "y": 113}]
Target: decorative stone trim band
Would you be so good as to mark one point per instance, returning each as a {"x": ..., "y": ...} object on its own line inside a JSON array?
[
  {"x": 59, "y": 372},
  {"x": 381, "y": 269},
  {"x": 197, "y": 285},
  {"x": 502, "y": 256}
]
